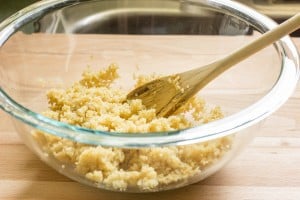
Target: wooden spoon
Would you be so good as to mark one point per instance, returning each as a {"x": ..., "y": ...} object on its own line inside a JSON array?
[{"x": 168, "y": 93}]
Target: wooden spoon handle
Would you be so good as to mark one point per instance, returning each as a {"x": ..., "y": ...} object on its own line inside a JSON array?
[
  {"x": 200, "y": 77},
  {"x": 266, "y": 39}
]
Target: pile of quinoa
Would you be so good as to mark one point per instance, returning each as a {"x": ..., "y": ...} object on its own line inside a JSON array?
[{"x": 93, "y": 103}]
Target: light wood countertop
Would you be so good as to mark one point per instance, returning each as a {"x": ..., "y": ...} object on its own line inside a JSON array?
[{"x": 268, "y": 169}]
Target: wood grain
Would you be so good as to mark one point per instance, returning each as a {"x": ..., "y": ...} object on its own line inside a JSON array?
[{"x": 268, "y": 169}]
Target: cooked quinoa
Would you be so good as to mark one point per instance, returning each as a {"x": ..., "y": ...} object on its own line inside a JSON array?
[{"x": 93, "y": 103}]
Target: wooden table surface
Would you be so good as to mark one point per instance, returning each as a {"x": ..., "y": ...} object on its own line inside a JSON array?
[{"x": 269, "y": 168}]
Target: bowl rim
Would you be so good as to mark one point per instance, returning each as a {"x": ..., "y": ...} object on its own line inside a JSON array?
[{"x": 282, "y": 89}]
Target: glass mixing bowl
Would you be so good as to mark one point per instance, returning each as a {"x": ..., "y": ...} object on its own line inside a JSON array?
[{"x": 50, "y": 43}]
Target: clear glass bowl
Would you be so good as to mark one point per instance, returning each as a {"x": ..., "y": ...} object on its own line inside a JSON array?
[{"x": 50, "y": 43}]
